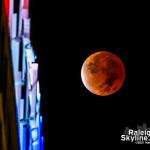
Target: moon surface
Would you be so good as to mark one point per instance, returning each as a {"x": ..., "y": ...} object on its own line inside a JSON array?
[{"x": 103, "y": 73}]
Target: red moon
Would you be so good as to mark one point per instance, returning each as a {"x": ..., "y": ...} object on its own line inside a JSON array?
[{"x": 103, "y": 73}]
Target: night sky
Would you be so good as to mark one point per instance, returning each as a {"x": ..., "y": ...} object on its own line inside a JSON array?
[{"x": 63, "y": 38}]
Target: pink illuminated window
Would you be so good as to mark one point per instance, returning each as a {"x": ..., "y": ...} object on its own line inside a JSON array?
[{"x": 26, "y": 4}]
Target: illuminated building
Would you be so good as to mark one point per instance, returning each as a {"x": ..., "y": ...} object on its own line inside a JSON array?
[{"x": 19, "y": 78}]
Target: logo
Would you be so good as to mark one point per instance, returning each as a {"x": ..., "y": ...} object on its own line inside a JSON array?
[{"x": 139, "y": 136}]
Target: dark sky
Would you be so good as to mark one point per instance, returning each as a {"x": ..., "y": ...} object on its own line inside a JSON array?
[{"x": 63, "y": 37}]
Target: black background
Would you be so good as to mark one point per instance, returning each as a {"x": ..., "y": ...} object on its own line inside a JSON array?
[{"x": 63, "y": 36}]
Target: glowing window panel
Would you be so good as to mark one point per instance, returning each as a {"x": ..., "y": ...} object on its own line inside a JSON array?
[
  {"x": 7, "y": 7},
  {"x": 27, "y": 86}
]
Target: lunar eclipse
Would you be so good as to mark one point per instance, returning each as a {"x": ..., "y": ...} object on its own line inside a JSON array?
[{"x": 103, "y": 73}]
